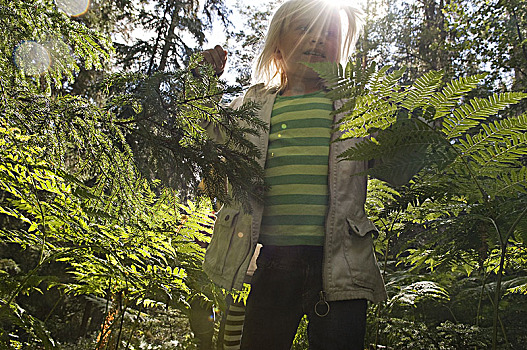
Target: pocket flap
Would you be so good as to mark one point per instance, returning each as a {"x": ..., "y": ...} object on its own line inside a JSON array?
[
  {"x": 227, "y": 216},
  {"x": 361, "y": 227}
]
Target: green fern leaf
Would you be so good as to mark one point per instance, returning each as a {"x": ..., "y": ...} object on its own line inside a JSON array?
[
  {"x": 387, "y": 85},
  {"x": 501, "y": 154},
  {"x": 419, "y": 94},
  {"x": 346, "y": 90},
  {"x": 404, "y": 148},
  {"x": 331, "y": 72},
  {"x": 511, "y": 184},
  {"x": 511, "y": 130},
  {"x": 379, "y": 194},
  {"x": 419, "y": 291},
  {"x": 469, "y": 115},
  {"x": 345, "y": 83},
  {"x": 446, "y": 99},
  {"x": 370, "y": 113}
]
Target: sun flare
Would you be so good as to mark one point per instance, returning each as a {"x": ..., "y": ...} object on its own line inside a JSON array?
[
  {"x": 338, "y": 3},
  {"x": 73, "y": 8}
]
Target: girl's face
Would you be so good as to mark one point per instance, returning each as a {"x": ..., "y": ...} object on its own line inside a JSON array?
[{"x": 306, "y": 40}]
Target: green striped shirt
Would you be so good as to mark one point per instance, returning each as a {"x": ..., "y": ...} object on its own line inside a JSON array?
[{"x": 297, "y": 171}]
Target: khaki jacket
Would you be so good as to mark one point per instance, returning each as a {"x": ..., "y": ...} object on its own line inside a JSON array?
[{"x": 350, "y": 270}]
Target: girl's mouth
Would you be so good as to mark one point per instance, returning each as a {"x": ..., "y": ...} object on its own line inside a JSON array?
[{"x": 314, "y": 53}]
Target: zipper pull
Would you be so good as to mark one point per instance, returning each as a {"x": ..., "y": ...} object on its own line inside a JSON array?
[{"x": 322, "y": 306}]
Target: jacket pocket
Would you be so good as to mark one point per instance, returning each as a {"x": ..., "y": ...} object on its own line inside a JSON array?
[
  {"x": 360, "y": 255},
  {"x": 224, "y": 227},
  {"x": 230, "y": 244}
]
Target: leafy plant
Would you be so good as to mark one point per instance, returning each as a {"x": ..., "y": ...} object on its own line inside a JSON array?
[
  {"x": 85, "y": 211},
  {"x": 465, "y": 152},
  {"x": 161, "y": 117}
]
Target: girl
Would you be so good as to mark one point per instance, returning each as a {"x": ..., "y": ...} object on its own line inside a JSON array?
[{"x": 317, "y": 257}]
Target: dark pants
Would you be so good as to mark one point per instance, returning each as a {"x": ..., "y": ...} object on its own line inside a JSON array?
[
  {"x": 288, "y": 284},
  {"x": 202, "y": 323}
]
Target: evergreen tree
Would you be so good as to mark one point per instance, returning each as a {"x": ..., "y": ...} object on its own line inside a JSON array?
[{"x": 84, "y": 217}]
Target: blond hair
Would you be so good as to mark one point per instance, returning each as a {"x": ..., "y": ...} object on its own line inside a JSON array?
[{"x": 268, "y": 68}]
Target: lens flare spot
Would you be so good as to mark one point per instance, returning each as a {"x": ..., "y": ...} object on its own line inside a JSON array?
[
  {"x": 32, "y": 58},
  {"x": 284, "y": 126},
  {"x": 73, "y": 8},
  {"x": 279, "y": 135},
  {"x": 58, "y": 51}
]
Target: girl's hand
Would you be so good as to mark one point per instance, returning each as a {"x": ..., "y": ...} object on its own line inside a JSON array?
[{"x": 217, "y": 57}]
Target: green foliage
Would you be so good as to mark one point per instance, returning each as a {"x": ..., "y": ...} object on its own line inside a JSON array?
[
  {"x": 151, "y": 259},
  {"x": 464, "y": 211},
  {"x": 301, "y": 341},
  {"x": 87, "y": 214},
  {"x": 415, "y": 292},
  {"x": 162, "y": 117},
  {"x": 404, "y": 334},
  {"x": 83, "y": 215},
  {"x": 54, "y": 41},
  {"x": 423, "y": 117},
  {"x": 173, "y": 31}
]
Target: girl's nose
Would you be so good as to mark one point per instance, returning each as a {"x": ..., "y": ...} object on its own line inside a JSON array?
[
  {"x": 316, "y": 36},
  {"x": 317, "y": 40}
]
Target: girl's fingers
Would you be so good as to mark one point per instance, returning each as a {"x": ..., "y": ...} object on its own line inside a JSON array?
[{"x": 217, "y": 57}]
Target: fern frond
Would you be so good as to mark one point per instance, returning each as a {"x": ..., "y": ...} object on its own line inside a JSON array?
[
  {"x": 420, "y": 291},
  {"x": 346, "y": 90},
  {"x": 516, "y": 285},
  {"x": 345, "y": 83},
  {"x": 387, "y": 85},
  {"x": 522, "y": 289},
  {"x": 448, "y": 97},
  {"x": 355, "y": 70},
  {"x": 498, "y": 145},
  {"x": 401, "y": 150},
  {"x": 419, "y": 94},
  {"x": 510, "y": 184},
  {"x": 501, "y": 154},
  {"x": 370, "y": 112},
  {"x": 379, "y": 193},
  {"x": 497, "y": 131},
  {"x": 331, "y": 72},
  {"x": 469, "y": 115}
]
